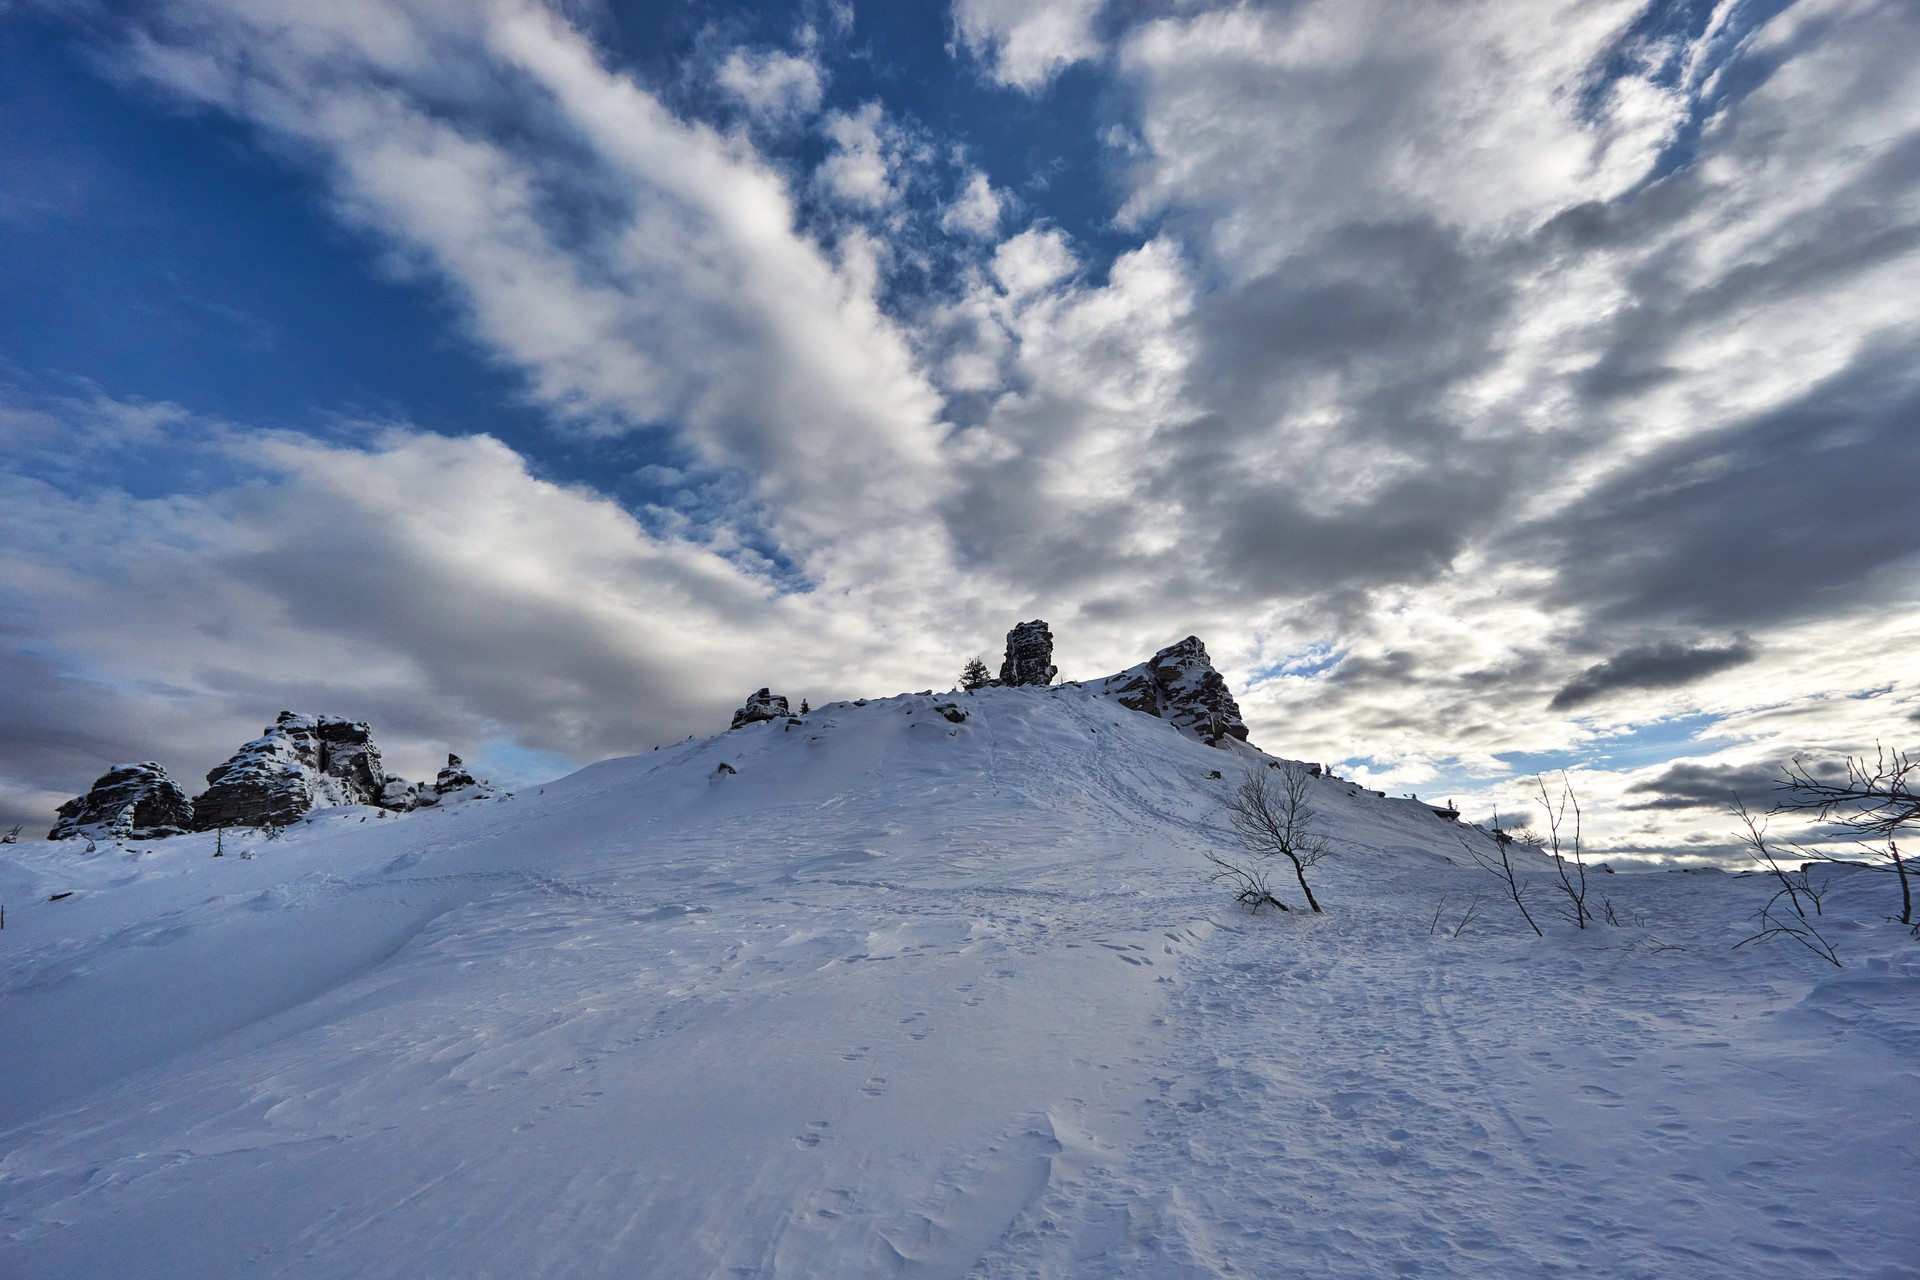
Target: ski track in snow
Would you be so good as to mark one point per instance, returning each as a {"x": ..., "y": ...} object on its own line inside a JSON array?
[{"x": 908, "y": 998}]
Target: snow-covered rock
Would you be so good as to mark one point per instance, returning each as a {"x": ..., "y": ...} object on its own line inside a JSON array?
[
  {"x": 763, "y": 705},
  {"x": 1029, "y": 655},
  {"x": 1179, "y": 685},
  {"x": 401, "y": 796},
  {"x": 127, "y": 802},
  {"x": 301, "y": 763},
  {"x": 456, "y": 782},
  {"x": 454, "y": 776}
]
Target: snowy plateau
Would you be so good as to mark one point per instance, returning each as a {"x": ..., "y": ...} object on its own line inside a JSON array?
[{"x": 895, "y": 995}]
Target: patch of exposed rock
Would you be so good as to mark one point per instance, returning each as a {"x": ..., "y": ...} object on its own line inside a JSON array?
[
  {"x": 456, "y": 781},
  {"x": 1029, "y": 655},
  {"x": 1179, "y": 685},
  {"x": 301, "y": 763},
  {"x": 454, "y": 776},
  {"x": 127, "y": 802},
  {"x": 763, "y": 705}
]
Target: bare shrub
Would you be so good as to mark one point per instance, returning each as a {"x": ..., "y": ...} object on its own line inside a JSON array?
[
  {"x": 1273, "y": 817},
  {"x": 1498, "y": 862},
  {"x": 1570, "y": 869},
  {"x": 1785, "y": 914},
  {"x": 1877, "y": 799}
]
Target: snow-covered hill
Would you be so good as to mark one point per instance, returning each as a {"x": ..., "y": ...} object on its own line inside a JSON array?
[{"x": 895, "y": 994}]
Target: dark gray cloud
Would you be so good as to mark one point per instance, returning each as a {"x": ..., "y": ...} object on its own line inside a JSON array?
[
  {"x": 1391, "y": 668},
  {"x": 59, "y": 731},
  {"x": 1665, "y": 665},
  {"x": 1791, "y": 514},
  {"x": 1387, "y": 315},
  {"x": 1690, "y": 785}
]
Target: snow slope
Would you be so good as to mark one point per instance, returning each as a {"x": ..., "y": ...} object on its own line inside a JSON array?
[{"x": 906, "y": 997}]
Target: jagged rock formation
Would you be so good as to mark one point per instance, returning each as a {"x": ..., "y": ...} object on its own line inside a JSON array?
[
  {"x": 127, "y": 802},
  {"x": 454, "y": 776},
  {"x": 457, "y": 781},
  {"x": 763, "y": 705},
  {"x": 1180, "y": 685},
  {"x": 1029, "y": 655},
  {"x": 300, "y": 763}
]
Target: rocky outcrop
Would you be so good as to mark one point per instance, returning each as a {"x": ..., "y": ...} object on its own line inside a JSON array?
[
  {"x": 454, "y": 776},
  {"x": 1029, "y": 655},
  {"x": 401, "y": 796},
  {"x": 763, "y": 705},
  {"x": 301, "y": 763},
  {"x": 127, "y": 802},
  {"x": 1179, "y": 685},
  {"x": 457, "y": 782}
]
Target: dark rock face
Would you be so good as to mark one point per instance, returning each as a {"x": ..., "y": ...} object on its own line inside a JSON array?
[
  {"x": 348, "y": 756},
  {"x": 127, "y": 802},
  {"x": 763, "y": 705},
  {"x": 1029, "y": 655},
  {"x": 454, "y": 776},
  {"x": 457, "y": 782},
  {"x": 300, "y": 763},
  {"x": 1180, "y": 685}
]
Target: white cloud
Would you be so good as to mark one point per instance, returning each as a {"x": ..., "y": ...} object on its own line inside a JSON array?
[
  {"x": 700, "y": 305},
  {"x": 862, "y": 167},
  {"x": 1280, "y": 123},
  {"x": 775, "y": 86},
  {"x": 976, "y": 211},
  {"x": 1025, "y": 43},
  {"x": 1033, "y": 260}
]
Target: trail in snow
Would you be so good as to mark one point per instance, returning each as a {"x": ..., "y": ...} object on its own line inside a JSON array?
[{"x": 904, "y": 997}]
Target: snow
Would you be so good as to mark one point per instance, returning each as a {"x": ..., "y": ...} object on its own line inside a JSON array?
[{"x": 904, "y": 996}]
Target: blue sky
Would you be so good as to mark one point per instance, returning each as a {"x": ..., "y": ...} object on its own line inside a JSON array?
[{"x": 1497, "y": 387}]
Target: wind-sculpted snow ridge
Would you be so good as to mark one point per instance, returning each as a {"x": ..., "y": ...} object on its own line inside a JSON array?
[{"x": 895, "y": 993}]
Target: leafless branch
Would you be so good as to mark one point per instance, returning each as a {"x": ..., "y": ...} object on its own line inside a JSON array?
[
  {"x": 1498, "y": 861},
  {"x": 1570, "y": 869},
  {"x": 1248, "y": 876},
  {"x": 1796, "y": 887},
  {"x": 1877, "y": 799}
]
